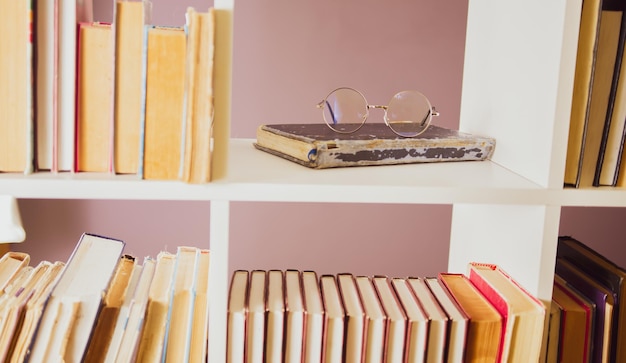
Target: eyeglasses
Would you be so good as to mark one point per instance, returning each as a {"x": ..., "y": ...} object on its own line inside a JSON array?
[{"x": 407, "y": 114}]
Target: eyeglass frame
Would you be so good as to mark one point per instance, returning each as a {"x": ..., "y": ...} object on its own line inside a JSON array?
[{"x": 432, "y": 112}]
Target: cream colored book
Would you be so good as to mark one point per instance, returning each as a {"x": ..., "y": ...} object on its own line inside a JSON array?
[
  {"x": 200, "y": 324},
  {"x": 376, "y": 321},
  {"x": 236, "y": 319},
  {"x": 396, "y": 320},
  {"x": 294, "y": 317},
  {"x": 10, "y": 265},
  {"x": 33, "y": 311},
  {"x": 314, "y": 316},
  {"x": 275, "y": 304},
  {"x": 255, "y": 322},
  {"x": 417, "y": 330},
  {"x": 81, "y": 287},
  {"x": 181, "y": 308},
  {"x": 355, "y": 318},
  {"x": 457, "y": 320},
  {"x": 134, "y": 325},
  {"x": 333, "y": 320},
  {"x": 152, "y": 341},
  {"x": 437, "y": 320},
  {"x": 122, "y": 317}
]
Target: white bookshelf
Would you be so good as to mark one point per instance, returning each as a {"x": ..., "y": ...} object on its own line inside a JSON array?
[{"x": 518, "y": 76}]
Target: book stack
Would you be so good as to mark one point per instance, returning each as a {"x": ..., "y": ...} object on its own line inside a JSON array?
[
  {"x": 128, "y": 97},
  {"x": 298, "y": 316},
  {"x": 104, "y": 306},
  {"x": 587, "y": 318},
  {"x": 595, "y": 151}
]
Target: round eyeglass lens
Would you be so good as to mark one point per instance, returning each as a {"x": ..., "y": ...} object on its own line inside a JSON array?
[
  {"x": 409, "y": 113},
  {"x": 345, "y": 110}
]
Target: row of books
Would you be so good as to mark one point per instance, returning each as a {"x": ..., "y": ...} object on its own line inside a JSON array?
[
  {"x": 77, "y": 95},
  {"x": 104, "y": 306},
  {"x": 298, "y": 316},
  {"x": 588, "y": 314},
  {"x": 597, "y": 134}
]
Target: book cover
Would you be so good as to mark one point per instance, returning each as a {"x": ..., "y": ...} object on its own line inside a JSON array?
[
  {"x": 458, "y": 321},
  {"x": 256, "y": 314},
  {"x": 610, "y": 140},
  {"x": 396, "y": 319},
  {"x": 314, "y": 315},
  {"x": 606, "y": 273},
  {"x": 165, "y": 91},
  {"x": 198, "y": 120},
  {"x": 417, "y": 330},
  {"x": 317, "y": 146},
  {"x": 94, "y": 90},
  {"x": 604, "y": 301},
  {"x": 275, "y": 305},
  {"x": 355, "y": 318},
  {"x": 603, "y": 67},
  {"x": 16, "y": 93},
  {"x": 237, "y": 316},
  {"x": 437, "y": 319},
  {"x": 130, "y": 18},
  {"x": 576, "y": 327},
  {"x": 199, "y": 333},
  {"x": 151, "y": 345},
  {"x": 294, "y": 317},
  {"x": 332, "y": 349},
  {"x": 376, "y": 321},
  {"x": 522, "y": 314}
]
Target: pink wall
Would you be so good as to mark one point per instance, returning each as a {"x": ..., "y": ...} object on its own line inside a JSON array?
[{"x": 287, "y": 56}]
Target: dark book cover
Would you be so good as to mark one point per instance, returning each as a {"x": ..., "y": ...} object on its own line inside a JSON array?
[{"x": 317, "y": 146}]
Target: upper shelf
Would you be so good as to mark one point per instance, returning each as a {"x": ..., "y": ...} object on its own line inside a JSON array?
[{"x": 258, "y": 176}]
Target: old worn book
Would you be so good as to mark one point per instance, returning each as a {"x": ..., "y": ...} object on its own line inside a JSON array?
[
  {"x": 317, "y": 146},
  {"x": 199, "y": 96},
  {"x": 73, "y": 305},
  {"x": 102, "y": 332}
]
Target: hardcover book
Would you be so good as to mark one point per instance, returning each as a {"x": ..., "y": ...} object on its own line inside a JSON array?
[{"x": 317, "y": 146}]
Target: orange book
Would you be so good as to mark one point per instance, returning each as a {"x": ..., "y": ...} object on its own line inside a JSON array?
[
  {"x": 94, "y": 97},
  {"x": 165, "y": 94},
  {"x": 485, "y": 322}
]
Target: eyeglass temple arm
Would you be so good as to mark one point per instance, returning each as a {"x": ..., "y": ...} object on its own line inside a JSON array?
[
  {"x": 330, "y": 109},
  {"x": 430, "y": 112}
]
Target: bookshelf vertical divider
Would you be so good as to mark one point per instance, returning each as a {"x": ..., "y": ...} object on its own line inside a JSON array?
[{"x": 218, "y": 279}]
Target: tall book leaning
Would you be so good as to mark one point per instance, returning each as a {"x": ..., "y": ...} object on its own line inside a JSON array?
[{"x": 317, "y": 146}]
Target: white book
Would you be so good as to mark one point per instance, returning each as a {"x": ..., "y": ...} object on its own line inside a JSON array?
[
  {"x": 45, "y": 120},
  {"x": 294, "y": 317},
  {"x": 314, "y": 311},
  {"x": 236, "y": 320},
  {"x": 396, "y": 320},
  {"x": 376, "y": 321},
  {"x": 458, "y": 320},
  {"x": 334, "y": 320},
  {"x": 437, "y": 320},
  {"x": 81, "y": 286},
  {"x": 354, "y": 330},
  {"x": 275, "y": 304},
  {"x": 255, "y": 329},
  {"x": 417, "y": 322}
]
